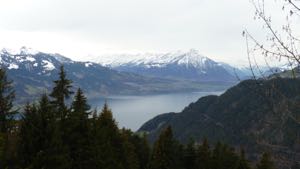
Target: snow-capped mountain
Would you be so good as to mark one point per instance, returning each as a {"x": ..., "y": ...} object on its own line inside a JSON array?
[
  {"x": 191, "y": 58},
  {"x": 31, "y": 60},
  {"x": 189, "y": 65},
  {"x": 33, "y": 73}
]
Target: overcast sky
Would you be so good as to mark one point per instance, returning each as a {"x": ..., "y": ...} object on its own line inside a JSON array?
[{"x": 78, "y": 28}]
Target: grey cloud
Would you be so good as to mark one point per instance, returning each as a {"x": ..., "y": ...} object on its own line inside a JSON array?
[{"x": 146, "y": 25}]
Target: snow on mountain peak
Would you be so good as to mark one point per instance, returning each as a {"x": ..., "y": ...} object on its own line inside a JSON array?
[
  {"x": 22, "y": 51},
  {"x": 190, "y": 58},
  {"x": 13, "y": 66},
  {"x": 9, "y": 51},
  {"x": 193, "y": 58},
  {"x": 61, "y": 58},
  {"x": 14, "y": 59},
  {"x": 48, "y": 65},
  {"x": 27, "y": 51}
]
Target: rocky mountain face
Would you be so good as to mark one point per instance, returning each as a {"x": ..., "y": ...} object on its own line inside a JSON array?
[
  {"x": 259, "y": 115},
  {"x": 33, "y": 73}
]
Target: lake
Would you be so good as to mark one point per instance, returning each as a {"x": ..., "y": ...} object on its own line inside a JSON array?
[{"x": 133, "y": 111}]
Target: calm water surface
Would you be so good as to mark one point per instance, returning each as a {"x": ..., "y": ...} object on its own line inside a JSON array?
[{"x": 132, "y": 111}]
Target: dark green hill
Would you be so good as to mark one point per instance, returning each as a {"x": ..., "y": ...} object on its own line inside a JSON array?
[{"x": 256, "y": 114}]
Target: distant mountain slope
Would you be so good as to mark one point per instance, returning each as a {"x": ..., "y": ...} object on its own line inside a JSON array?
[
  {"x": 258, "y": 115},
  {"x": 33, "y": 73},
  {"x": 179, "y": 65},
  {"x": 190, "y": 65},
  {"x": 293, "y": 73}
]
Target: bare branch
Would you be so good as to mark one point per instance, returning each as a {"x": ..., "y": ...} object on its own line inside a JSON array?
[{"x": 294, "y": 5}]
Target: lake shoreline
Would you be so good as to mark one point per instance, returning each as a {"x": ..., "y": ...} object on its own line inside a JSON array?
[{"x": 131, "y": 111}]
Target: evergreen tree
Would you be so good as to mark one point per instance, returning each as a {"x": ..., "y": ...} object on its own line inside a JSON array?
[
  {"x": 243, "y": 162},
  {"x": 77, "y": 130},
  {"x": 60, "y": 92},
  {"x": 80, "y": 106},
  {"x": 107, "y": 144},
  {"x": 265, "y": 162},
  {"x": 7, "y": 96},
  {"x": 204, "y": 155},
  {"x": 2, "y": 146},
  {"x": 190, "y": 155},
  {"x": 40, "y": 145},
  {"x": 94, "y": 141},
  {"x": 231, "y": 159},
  {"x": 28, "y": 127},
  {"x": 224, "y": 157},
  {"x": 106, "y": 119},
  {"x": 142, "y": 150},
  {"x": 296, "y": 165},
  {"x": 217, "y": 156},
  {"x": 129, "y": 150},
  {"x": 164, "y": 152}
]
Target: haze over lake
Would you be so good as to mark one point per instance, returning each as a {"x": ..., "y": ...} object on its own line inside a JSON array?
[{"x": 133, "y": 111}]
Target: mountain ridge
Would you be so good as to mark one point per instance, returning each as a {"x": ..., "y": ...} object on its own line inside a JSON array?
[
  {"x": 259, "y": 115},
  {"x": 33, "y": 73},
  {"x": 189, "y": 65},
  {"x": 186, "y": 65}
]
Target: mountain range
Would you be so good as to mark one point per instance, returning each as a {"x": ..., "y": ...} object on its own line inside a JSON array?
[
  {"x": 190, "y": 65},
  {"x": 33, "y": 73},
  {"x": 186, "y": 65}
]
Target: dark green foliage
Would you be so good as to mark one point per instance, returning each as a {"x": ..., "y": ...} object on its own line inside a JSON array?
[
  {"x": 217, "y": 157},
  {"x": 80, "y": 105},
  {"x": 139, "y": 144},
  {"x": 107, "y": 146},
  {"x": 265, "y": 162},
  {"x": 231, "y": 159},
  {"x": 296, "y": 165},
  {"x": 243, "y": 162},
  {"x": 28, "y": 134},
  {"x": 7, "y": 96},
  {"x": 129, "y": 150},
  {"x": 114, "y": 148},
  {"x": 190, "y": 155},
  {"x": 7, "y": 139},
  {"x": 142, "y": 150},
  {"x": 166, "y": 152},
  {"x": 224, "y": 157},
  {"x": 40, "y": 145},
  {"x": 109, "y": 141},
  {"x": 77, "y": 132},
  {"x": 204, "y": 155},
  {"x": 2, "y": 146},
  {"x": 61, "y": 91}
]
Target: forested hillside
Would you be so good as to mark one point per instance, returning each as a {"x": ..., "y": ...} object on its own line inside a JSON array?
[
  {"x": 260, "y": 115},
  {"x": 54, "y": 135}
]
